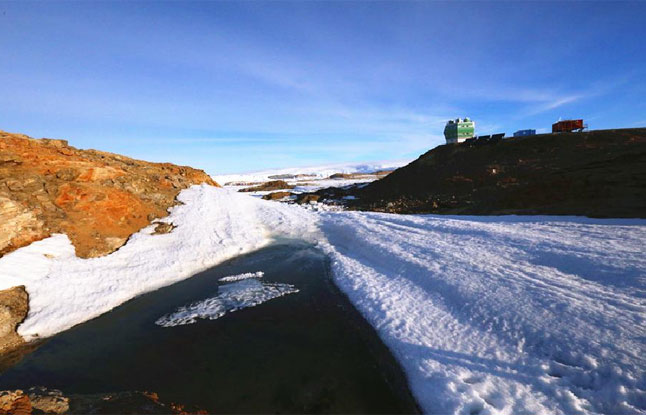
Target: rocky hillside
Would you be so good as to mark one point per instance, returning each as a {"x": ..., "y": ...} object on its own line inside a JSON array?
[
  {"x": 597, "y": 174},
  {"x": 98, "y": 199}
]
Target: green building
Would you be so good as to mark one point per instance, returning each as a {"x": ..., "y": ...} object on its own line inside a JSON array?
[{"x": 458, "y": 130}]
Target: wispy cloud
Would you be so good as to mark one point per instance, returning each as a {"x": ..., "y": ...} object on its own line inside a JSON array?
[{"x": 552, "y": 104}]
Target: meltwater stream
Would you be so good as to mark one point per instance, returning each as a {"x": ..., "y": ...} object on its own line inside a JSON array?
[{"x": 277, "y": 337}]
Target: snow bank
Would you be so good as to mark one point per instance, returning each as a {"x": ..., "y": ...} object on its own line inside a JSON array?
[
  {"x": 487, "y": 315},
  {"x": 502, "y": 315},
  {"x": 212, "y": 225}
]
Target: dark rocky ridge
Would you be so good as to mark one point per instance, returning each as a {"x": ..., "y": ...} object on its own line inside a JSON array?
[{"x": 597, "y": 173}]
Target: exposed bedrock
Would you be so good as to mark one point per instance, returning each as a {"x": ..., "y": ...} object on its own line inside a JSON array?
[
  {"x": 98, "y": 199},
  {"x": 14, "y": 305}
]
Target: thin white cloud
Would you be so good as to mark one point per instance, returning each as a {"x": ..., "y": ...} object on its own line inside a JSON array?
[{"x": 553, "y": 104}]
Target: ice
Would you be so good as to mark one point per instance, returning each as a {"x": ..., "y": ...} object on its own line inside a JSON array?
[
  {"x": 231, "y": 297},
  {"x": 232, "y": 278}
]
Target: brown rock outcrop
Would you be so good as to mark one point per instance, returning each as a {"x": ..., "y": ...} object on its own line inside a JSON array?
[
  {"x": 276, "y": 195},
  {"x": 14, "y": 305},
  {"x": 272, "y": 185},
  {"x": 307, "y": 198},
  {"x": 98, "y": 199},
  {"x": 14, "y": 403},
  {"x": 48, "y": 401},
  {"x": 40, "y": 400}
]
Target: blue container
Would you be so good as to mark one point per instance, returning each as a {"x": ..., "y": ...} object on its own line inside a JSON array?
[{"x": 524, "y": 133}]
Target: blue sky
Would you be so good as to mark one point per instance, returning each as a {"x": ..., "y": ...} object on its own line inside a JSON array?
[{"x": 247, "y": 85}]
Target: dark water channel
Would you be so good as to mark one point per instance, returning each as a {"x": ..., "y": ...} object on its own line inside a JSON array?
[{"x": 305, "y": 352}]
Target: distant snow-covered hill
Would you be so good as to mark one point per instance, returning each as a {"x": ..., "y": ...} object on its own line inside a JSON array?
[{"x": 313, "y": 172}]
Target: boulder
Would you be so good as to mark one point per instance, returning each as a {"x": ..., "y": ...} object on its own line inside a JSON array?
[
  {"x": 14, "y": 403},
  {"x": 307, "y": 198},
  {"x": 14, "y": 305}
]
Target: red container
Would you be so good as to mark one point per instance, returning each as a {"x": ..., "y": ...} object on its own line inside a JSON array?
[{"x": 567, "y": 126}]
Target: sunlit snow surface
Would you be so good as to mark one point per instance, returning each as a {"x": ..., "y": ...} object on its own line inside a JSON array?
[
  {"x": 486, "y": 315},
  {"x": 503, "y": 314},
  {"x": 247, "y": 292}
]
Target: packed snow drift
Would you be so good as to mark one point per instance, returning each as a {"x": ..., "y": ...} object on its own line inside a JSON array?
[{"x": 487, "y": 315}]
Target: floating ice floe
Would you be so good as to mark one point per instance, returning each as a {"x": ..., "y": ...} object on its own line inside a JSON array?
[
  {"x": 248, "y": 292},
  {"x": 239, "y": 277}
]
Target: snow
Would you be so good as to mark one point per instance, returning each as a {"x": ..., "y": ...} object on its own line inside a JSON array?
[
  {"x": 241, "y": 294},
  {"x": 486, "y": 315},
  {"x": 502, "y": 314}
]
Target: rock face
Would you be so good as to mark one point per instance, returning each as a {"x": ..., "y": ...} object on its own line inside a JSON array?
[
  {"x": 598, "y": 174},
  {"x": 98, "y": 199},
  {"x": 14, "y": 305}
]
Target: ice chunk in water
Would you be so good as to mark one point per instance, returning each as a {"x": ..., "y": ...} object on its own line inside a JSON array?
[
  {"x": 248, "y": 292},
  {"x": 246, "y": 275}
]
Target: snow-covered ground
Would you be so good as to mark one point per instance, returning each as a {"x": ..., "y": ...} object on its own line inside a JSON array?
[{"x": 501, "y": 315}]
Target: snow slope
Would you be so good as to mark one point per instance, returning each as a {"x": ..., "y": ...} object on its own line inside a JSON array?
[{"x": 501, "y": 315}]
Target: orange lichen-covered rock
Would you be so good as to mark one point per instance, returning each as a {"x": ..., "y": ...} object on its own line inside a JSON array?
[
  {"x": 98, "y": 199},
  {"x": 14, "y": 403}
]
